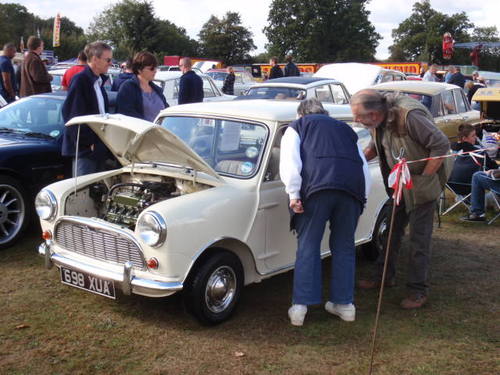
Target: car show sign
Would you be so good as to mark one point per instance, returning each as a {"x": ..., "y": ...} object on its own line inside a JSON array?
[{"x": 56, "y": 38}]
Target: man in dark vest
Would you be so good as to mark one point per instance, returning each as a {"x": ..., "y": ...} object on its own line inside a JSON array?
[
  {"x": 325, "y": 175},
  {"x": 404, "y": 124}
]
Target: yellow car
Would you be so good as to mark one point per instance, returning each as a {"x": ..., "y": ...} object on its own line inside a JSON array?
[{"x": 447, "y": 103}]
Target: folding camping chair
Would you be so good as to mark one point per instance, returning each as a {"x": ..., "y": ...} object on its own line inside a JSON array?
[
  {"x": 496, "y": 198},
  {"x": 461, "y": 193}
]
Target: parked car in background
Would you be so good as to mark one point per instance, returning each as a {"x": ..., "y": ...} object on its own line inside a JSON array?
[
  {"x": 243, "y": 79},
  {"x": 169, "y": 81},
  {"x": 57, "y": 76},
  {"x": 357, "y": 76},
  {"x": 447, "y": 103},
  {"x": 300, "y": 88},
  {"x": 492, "y": 79},
  {"x": 30, "y": 158},
  {"x": 198, "y": 207}
]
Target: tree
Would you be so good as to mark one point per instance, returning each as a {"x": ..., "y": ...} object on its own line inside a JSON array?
[
  {"x": 131, "y": 26},
  {"x": 419, "y": 37},
  {"x": 226, "y": 39},
  {"x": 489, "y": 57},
  {"x": 322, "y": 31}
]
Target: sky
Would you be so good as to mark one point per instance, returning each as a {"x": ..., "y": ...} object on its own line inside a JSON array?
[{"x": 192, "y": 14}]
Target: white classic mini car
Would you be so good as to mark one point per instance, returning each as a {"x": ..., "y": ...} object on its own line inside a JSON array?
[{"x": 198, "y": 207}]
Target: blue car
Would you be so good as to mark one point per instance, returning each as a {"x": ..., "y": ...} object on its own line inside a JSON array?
[{"x": 31, "y": 132}]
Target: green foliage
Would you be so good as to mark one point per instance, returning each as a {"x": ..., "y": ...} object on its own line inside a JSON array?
[
  {"x": 322, "y": 31},
  {"x": 419, "y": 37},
  {"x": 226, "y": 39},
  {"x": 490, "y": 57},
  {"x": 131, "y": 26},
  {"x": 17, "y": 22}
]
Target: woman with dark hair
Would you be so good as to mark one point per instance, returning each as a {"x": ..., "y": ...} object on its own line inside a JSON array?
[{"x": 139, "y": 96}]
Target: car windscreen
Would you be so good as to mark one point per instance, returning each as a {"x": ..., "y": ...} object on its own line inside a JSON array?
[
  {"x": 217, "y": 76},
  {"x": 33, "y": 116},
  {"x": 230, "y": 147},
  {"x": 278, "y": 93}
]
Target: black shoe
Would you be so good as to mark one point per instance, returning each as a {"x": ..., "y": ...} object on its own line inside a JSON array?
[{"x": 474, "y": 217}]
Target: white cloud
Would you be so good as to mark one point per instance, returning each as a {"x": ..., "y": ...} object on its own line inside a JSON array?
[{"x": 192, "y": 14}]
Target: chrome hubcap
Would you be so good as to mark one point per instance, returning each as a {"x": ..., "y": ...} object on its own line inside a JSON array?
[
  {"x": 11, "y": 212},
  {"x": 221, "y": 288}
]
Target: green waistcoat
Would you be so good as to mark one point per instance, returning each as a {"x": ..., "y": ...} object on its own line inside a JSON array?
[{"x": 389, "y": 145}]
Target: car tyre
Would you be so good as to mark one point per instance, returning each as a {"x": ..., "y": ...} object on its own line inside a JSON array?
[
  {"x": 214, "y": 289},
  {"x": 15, "y": 211},
  {"x": 378, "y": 243}
]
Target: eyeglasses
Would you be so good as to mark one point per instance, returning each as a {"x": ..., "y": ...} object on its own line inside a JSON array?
[{"x": 108, "y": 59}]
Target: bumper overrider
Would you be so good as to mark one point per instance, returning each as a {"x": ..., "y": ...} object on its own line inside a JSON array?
[{"x": 124, "y": 280}]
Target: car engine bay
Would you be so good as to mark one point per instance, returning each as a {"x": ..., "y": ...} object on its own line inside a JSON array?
[{"x": 121, "y": 199}]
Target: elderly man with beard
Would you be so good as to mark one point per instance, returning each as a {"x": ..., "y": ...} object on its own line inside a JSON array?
[{"x": 404, "y": 124}]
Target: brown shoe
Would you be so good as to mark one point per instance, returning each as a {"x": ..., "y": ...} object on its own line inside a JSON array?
[
  {"x": 414, "y": 301},
  {"x": 374, "y": 284}
]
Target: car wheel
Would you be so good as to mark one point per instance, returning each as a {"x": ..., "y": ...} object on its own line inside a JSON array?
[
  {"x": 14, "y": 211},
  {"x": 213, "y": 291},
  {"x": 378, "y": 243}
]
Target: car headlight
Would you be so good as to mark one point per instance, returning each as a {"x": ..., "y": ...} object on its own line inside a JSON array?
[
  {"x": 152, "y": 229},
  {"x": 46, "y": 205}
]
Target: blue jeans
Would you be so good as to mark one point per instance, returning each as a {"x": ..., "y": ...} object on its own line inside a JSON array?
[
  {"x": 342, "y": 210},
  {"x": 481, "y": 182}
]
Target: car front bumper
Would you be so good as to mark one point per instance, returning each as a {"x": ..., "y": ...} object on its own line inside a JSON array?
[{"x": 125, "y": 280}]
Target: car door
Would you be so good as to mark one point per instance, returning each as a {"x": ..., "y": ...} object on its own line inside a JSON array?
[{"x": 280, "y": 243}]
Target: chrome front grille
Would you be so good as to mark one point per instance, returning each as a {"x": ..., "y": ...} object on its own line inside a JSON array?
[{"x": 98, "y": 243}]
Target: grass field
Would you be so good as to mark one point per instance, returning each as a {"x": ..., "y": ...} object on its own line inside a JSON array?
[{"x": 50, "y": 328}]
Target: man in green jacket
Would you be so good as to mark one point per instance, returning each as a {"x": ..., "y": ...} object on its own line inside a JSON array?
[{"x": 402, "y": 126}]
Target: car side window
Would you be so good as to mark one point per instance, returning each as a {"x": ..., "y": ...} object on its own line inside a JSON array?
[
  {"x": 273, "y": 166},
  {"x": 324, "y": 94},
  {"x": 448, "y": 103},
  {"x": 176, "y": 88},
  {"x": 338, "y": 94},
  {"x": 387, "y": 78},
  {"x": 459, "y": 99},
  {"x": 208, "y": 91}
]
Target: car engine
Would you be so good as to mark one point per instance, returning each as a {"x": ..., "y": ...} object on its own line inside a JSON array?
[{"x": 125, "y": 201}]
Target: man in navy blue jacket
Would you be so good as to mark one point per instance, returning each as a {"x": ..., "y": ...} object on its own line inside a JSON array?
[
  {"x": 191, "y": 84},
  {"x": 86, "y": 96}
]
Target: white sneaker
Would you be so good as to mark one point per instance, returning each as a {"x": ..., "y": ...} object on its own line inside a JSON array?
[
  {"x": 297, "y": 313},
  {"x": 345, "y": 312}
]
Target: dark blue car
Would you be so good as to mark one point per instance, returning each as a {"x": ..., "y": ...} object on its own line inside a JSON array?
[{"x": 30, "y": 158}]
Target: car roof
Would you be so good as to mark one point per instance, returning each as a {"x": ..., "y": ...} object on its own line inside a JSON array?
[
  {"x": 165, "y": 75},
  {"x": 298, "y": 80},
  {"x": 258, "y": 109},
  {"x": 420, "y": 87}
]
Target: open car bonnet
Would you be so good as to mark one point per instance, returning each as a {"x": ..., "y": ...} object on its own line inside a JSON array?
[{"x": 132, "y": 140}]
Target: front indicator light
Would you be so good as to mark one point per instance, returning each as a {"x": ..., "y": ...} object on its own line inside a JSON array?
[{"x": 153, "y": 263}]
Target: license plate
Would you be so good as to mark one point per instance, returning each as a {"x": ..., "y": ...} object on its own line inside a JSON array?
[{"x": 88, "y": 282}]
